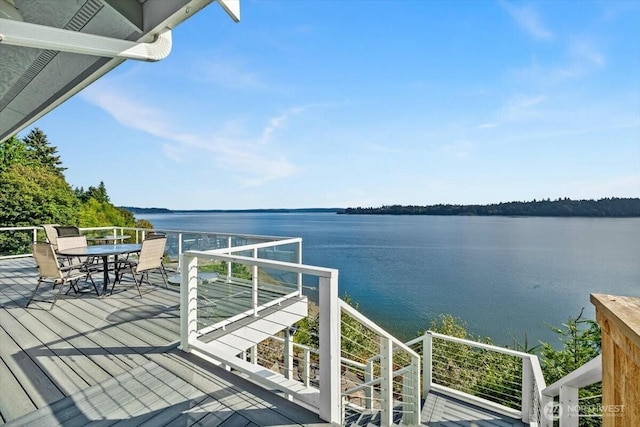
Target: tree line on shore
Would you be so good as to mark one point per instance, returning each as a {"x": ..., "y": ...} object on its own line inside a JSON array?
[
  {"x": 606, "y": 207},
  {"x": 34, "y": 191}
]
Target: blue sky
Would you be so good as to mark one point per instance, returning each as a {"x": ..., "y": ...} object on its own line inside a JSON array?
[{"x": 368, "y": 103}]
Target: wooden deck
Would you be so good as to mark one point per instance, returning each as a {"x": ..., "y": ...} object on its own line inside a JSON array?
[{"x": 114, "y": 361}]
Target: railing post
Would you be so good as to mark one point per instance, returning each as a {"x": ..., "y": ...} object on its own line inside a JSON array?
[
  {"x": 411, "y": 394},
  {"x": 368, "y": 391},
  {"x": 254, "y": 354},
  {"x": 300, "y": 274},
  {"x": 254, "y": 285},
  {"x": 330, "y": 404},
  {"x": 229, "y": 264},
  {"x": 179, "y": 251},
  {"x": 188, "y": 301},
  {"x": 568, "y": 406},
  {"x": 307, "y": 367},
  {"x": 288, "y": 354},
  {"x": 546, "y": 411},
  {"x": 527, "y": 389},
  {"x": 427, "y": 372},
  {"x": 386, "y": 383}
]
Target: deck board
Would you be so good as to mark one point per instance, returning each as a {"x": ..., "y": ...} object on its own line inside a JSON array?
[{"x": 84, "y": 363}]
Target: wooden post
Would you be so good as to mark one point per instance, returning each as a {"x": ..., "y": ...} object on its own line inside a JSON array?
[
  {"x": 527, "y": 389},
  {"x": 619, "y": 319},
  {"x": 307, "y": 367},
  {"x": 569, "y": 406},
  {"x": 427, "y": 372},
  {"x": 288, "y": 354},
  {"x": 386, "y": 383},
  {"x": 253, "y": 354},
  {"x": 188, "y": 301},
  {"x": 330, "y": 401},
  {"x": 179, "y": 251},
  {"x": 254, "y": 282}
]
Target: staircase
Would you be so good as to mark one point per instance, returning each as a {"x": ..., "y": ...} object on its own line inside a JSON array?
[{"x": 224, "y": 345}]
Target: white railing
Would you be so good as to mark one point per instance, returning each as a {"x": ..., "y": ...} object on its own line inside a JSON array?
[
  {"x": 506, "y": 381},
  {"x": 567, "y": 409},
  {"x": 30, "y": 234},
  {"x": 180, "y": 241},
  {"x": 390, "y": 377},
  {"x": 328, "y": 405}
]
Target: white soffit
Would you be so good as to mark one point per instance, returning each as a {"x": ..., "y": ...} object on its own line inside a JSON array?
[{"x": 63, "y": 46}]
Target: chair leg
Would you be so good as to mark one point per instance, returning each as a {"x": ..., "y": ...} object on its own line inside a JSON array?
[
  {"x": 165, "y": 276},
  {"x": 34, "y": 292},
  {"x": 53, "y": 304},
  {"x": 135, "y": 279},
  {"x": 93, "y": 283}
]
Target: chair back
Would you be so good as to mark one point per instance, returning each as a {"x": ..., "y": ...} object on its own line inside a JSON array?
[
  {"x": 151, "y": 254},
  {"x": 46, "y": 260},
  {"x": 72, "y": 242},
  {"x": 155, "y": 235},
  {"x": 67, "y": 230},
  {"x": 51, "y": 233}
]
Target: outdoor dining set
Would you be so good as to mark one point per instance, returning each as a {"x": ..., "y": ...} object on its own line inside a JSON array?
[{"x": 67, "y": 257}]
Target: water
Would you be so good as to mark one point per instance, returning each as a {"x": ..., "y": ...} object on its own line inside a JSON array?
[{"x": 505, "y": 277}]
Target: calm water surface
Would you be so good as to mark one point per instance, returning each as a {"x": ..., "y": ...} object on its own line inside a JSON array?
[{"x": 506, "y": 277}]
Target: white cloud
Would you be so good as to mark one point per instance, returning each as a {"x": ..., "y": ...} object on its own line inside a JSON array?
[
  {"x": 231, "y": 148},
  {"x": 522, "y": 107},
  {"x": 228, "y": 73},
  {"x": 278, "y": 122},
  {"x": 584, "y": 51},
  {"x": 528, "y": 20}
]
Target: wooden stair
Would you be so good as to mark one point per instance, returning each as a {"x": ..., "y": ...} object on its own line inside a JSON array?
[{"x": 225, "y": 345}]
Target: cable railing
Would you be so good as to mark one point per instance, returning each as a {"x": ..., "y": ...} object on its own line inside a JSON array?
[
  {"x": 345, "y": 371},
  {"x": 237, "y": 347},
  {"x": 503, "y": 380},
  {"x": 384, "y": 372}
]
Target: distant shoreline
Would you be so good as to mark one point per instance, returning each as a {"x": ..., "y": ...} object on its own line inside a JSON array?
[
  {"x": 136, "y": 210},
  {"x": 603, "y": 208}
]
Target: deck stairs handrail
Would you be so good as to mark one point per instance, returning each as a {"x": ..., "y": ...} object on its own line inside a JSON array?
[
  {"x": 567, "y": 409},
  {"x": 327, "y": 398},
  {"x": 463, "y": 369}
]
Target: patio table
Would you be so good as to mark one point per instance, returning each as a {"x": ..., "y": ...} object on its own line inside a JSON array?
[{"x": 103, "y": 251}]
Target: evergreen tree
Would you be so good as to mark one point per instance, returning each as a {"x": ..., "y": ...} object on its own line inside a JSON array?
[
  {"x": 13, "y": 151},
  {"x": 42, "y": 152}
]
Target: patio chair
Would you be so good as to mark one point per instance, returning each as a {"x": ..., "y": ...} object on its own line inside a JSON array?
[
  {"x": 158, "y": 235},
  {"x": 150, "y": 258},
  {"x": 49, "y": 270},
  {"x": 52, "y": 234},
  {"x": 73, "y": 242}
]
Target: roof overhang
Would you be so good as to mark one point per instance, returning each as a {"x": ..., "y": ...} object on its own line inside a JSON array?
[{"x": 49, "y": 51}]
